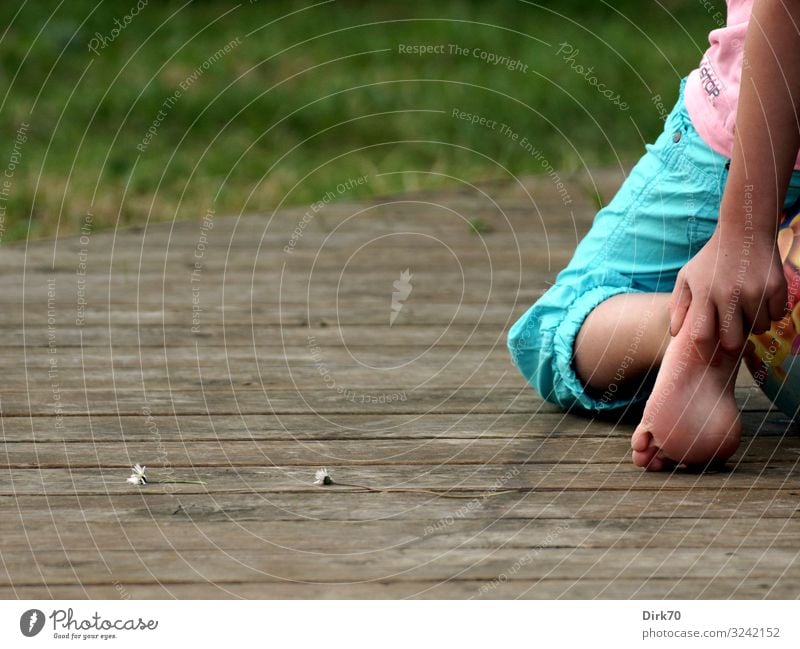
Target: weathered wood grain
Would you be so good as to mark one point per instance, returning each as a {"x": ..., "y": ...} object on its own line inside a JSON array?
[
  {"x": 165, "y": 502},
  {"x": 226, "y": 399},
  {"x": 478, "y": 480},
  {"x": 230, "y": 394},
  {"x": 69, "y": 567},
  {"x": 186, "y": 429},
  {"x": 548, "y": 451},
  {"x": 782, "y": 587},
  {"x": 373, "y": 537}
]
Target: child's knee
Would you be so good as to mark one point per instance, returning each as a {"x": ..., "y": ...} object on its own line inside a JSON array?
[{"x": 542, "y": 341}]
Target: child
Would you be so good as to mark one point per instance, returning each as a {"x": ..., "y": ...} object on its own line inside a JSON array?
[{"x": 682, "y": 264}]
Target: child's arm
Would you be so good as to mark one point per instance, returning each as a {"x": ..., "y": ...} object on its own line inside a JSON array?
[{"x": 736, "y": 280}]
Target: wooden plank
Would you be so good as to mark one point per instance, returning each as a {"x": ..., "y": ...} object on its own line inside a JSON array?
[
  {"x": 373, "y": 537},
  {"x": 257, "y": 374},
  {"x": 782, "y": 587},
  {"x": 242, "y": 368},
  {"x": 504, "y": 261},
  {"x": 168, "y": 428},
  {"x": 354, "y": 335},
  {"x": 141, "y": 428},
  {"x": 436, "y": 276},
  {"x": 352, "y": 224},
  {"x": 165, "y": 502},
  {"x": 238, "y": 403},
  {"x": 468, "y": 482},
  {"x": 594, "y": 452},
  {"x": 221, "y": 401},
  {"x": 154, "y": 311},
  {"x": 376, "y": 294},
  {"x": 511, "y": 242},
  {"x": 396, "y": 383},
  {"x": 363, "y": 361},
  {"x": 69, "y": 567},
  {"x": 254, "y": 400}
]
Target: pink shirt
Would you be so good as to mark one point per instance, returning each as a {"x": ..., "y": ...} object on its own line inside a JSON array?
[{"x": 712, "y": 90}]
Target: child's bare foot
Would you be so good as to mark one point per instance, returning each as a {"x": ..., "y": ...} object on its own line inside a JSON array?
[{"x": 691, "y": 416}]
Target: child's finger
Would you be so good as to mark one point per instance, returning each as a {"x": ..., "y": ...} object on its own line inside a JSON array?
[
  {"x": 702, "y": 318},
  {"x": 760, "y": 320},
  {"x": 731, "y": 330},
  {"x": 777, "y": 306},
  {"x": 679, "y": 305}
]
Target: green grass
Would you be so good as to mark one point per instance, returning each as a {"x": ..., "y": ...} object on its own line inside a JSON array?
[
  {"x": 305, "y": 101},
  {"x": 478, "y": 226}
]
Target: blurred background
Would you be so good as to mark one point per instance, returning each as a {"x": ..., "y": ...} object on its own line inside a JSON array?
[{"x": 152, "y": 111}]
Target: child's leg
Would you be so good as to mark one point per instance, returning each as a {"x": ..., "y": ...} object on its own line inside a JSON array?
[
  {"x": 605, "y": 339},
  {"x": 589, "y": 341},
  {"x": 691, "y": 416},
  {"x": 615, "y": 289}
]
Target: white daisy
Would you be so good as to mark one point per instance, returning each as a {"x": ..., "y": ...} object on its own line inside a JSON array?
[
  {"x": 138, "y": 477},
  {"x": 323, "y": 477}
]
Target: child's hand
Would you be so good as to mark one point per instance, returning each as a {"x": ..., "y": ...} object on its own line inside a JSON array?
[
  {"x": 736, "y": 280},
  {"x": 734, "y": 286}
]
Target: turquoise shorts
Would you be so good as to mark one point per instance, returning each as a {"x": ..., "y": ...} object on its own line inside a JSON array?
[{"x": 665, "y": 211}]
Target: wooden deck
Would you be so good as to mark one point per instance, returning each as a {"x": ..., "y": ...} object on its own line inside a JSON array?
[{"x": 215, "y": 354}]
